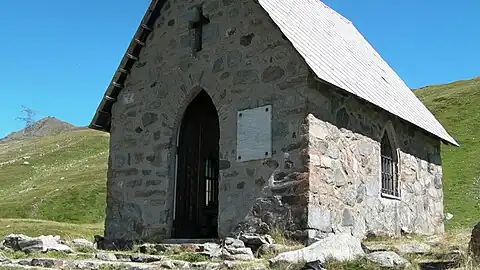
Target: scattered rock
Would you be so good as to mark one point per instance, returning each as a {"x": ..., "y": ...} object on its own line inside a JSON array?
[
  {"x": 80, "y": 242},
  {"x": 253, "y": 239},
  {"x": 24, "y": 262},
  {"x": 122, "y": 257},
  {"x": 84, "y": 265},
  {"x": 244, "y": 265},
  {"x": 177, "y": 264},
  {"x": 271, "y": 249},
  {"x": 233, "y": 242},
  {"x": 106, "y": 257},
  {"x": 236, "y": 252},
  {"x": 340, "y": 247},
  {"x": 142, "y": 258},
  {"x": 149, "y": 249},
  {"x": 374, "y": 247},
  {"x": 35, "y": 244},
  {"x": 387, "y": 259},
  {"x": 316, "y": 265},
  {"x": 413, "y": 248},
  {"x": 205, "y": 265},
  {"x": 47, "y": 263},
  {"x": 167, "y": 264},
  {"x": 210, "y": 249},
  {"x": 241, "y": 254},
  {"x": 4, "y": 258},
  {"x": 372, "y": 234}
]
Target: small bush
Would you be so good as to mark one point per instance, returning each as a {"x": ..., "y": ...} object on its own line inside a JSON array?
[{"x": 191, "y": 257}]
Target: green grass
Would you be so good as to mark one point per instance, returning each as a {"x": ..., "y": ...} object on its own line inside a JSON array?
[
  {"x": 191, "y": 257},
  {"x": 64, "y": 180},
  {"x": 457, "y": 106},
  {"x": 33, "y": 227}
]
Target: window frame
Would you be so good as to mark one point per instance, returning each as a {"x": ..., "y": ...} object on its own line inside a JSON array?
[{"x": 389, "y": 133}]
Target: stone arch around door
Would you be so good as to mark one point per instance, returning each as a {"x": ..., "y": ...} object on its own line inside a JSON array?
[{"x": 197, "y": 172}]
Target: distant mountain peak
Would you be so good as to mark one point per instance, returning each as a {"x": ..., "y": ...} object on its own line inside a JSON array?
[{"x": 46, "y": 126}]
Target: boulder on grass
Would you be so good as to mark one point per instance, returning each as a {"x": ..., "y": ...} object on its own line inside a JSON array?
[
  {"x": 340, "y": 247},
  {"x": 80, "y": 242},
  {"x": 234, "y": 254},
  {"x": 388, "y": 259},
  {"x": 42, "y": 243},
  {"x": 253, "y": 239}
]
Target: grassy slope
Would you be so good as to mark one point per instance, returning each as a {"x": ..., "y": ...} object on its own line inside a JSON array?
[
  {"x": 457, "y": 106},
  {"x": 35, "y": 227},
  {"x": 64, "y": 180}
]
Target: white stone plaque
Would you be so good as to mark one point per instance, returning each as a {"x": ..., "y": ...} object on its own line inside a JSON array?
[{"x": 254, "y": 133}]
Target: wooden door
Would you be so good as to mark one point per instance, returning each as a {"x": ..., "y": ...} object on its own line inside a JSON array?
[{"x": 196, "y": 211}]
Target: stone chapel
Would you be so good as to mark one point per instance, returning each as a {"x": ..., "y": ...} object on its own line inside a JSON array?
[{"x": 261, "y": 115}]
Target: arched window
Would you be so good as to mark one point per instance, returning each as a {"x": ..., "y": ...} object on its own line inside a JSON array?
[{"x": 389, "y": 168}]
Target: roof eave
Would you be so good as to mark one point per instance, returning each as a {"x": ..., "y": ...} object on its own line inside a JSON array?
[
  {"x": 102, "y": 118},
  {"x": 453, "y": 142}
]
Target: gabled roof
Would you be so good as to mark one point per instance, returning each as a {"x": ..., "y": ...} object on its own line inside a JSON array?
[{"x": 336, "y": 52}]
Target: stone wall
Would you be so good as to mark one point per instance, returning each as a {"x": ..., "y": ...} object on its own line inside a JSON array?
[
  {"x": 333, "y": 152},
  {"x": 344, "y": 164},
  {"x": 245, "y": 63}
]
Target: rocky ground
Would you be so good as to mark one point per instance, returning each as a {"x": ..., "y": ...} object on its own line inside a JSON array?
[{"x": 248, "y": 251}]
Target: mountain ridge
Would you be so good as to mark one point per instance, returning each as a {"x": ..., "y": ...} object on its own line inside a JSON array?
[{"x": 47, "y": 126}]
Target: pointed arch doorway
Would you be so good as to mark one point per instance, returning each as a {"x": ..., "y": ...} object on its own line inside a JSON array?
[{"x": 196, "y": 198}]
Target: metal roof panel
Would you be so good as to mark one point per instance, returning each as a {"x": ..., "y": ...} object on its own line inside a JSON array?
[{"x": 339, "y": 54}]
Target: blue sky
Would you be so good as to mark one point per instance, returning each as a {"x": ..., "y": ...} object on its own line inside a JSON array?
[{"x": 59, "y": 56}]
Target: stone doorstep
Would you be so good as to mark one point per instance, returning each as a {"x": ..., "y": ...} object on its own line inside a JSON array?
[{"x": 177, "y": 241}]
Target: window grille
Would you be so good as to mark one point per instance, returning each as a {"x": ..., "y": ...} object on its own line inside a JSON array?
[
  {"x": 211, "y": 181},
  {"x": 389, "y": 168}
]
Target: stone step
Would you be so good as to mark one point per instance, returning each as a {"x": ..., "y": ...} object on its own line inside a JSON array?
[{"x": 179, "y": 241}]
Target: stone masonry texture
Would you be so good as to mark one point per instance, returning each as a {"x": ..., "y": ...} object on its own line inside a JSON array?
[
  {"x": 344, "y": 169},
  {"x": 323, "y": 175}
]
